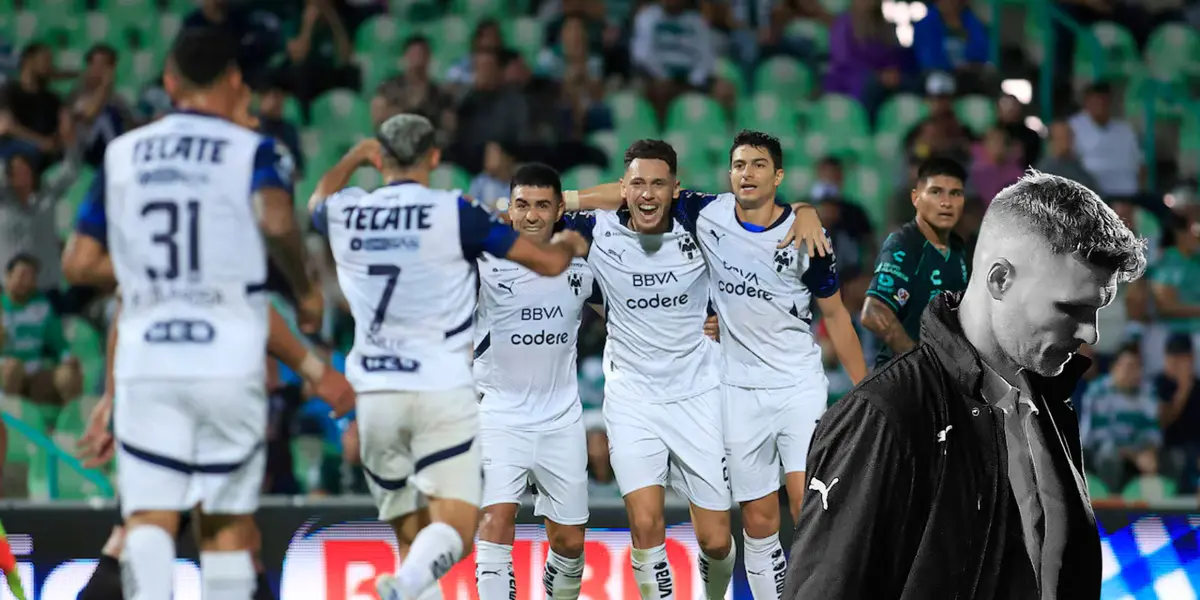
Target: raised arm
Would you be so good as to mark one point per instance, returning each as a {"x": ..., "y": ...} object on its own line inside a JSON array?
[
  {"x": 86, "y": 261},
  {"x": 338, "y": 176}
]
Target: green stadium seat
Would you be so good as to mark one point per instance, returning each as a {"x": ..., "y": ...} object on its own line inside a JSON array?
[
  {"x": 415, "y": 10},
  {"x": 867, "y": 185},
  {"x": 976, "y": 111},
  {"x": 842, "y": 121},
  {"x": 583, "y": 177},
  {"x": 887, "y": 152},
  {"x": 381, "y": 35},
  {"x": 702, "y": 118},
  {"x": 731, "y": 72},
  {"x": 784, "y": 76},
  {"x": 1169, "y": 106},
  {"x": 693, "y": 150},
  {"x": 814, "y": 31},
  {"x": 632, "y": 114},
  {"x": 481, "y": 8},
  {"x": 20, "y": 448},
  {"x": 1149, "y": 488},
  {"x": 1097, "y": 489},
  {"x": 1120, "y": 58},
  {"x": 900, "y": 112},
  {"x": 53, "y": 25},
  {"x": 1189, "y": 143},
  {"x": 450, "y": 177},
  {"x": 611, "y": 145},
  {"x": 342, "y": 109},
  {"x": 1173, "y": 53},
  {"x": 139, "y": 68},
  {"x": 704, "y": 178},
  {"x": 798, "y": 180},
  {"x": 375, "y": 69},
  {"x": 765, "y": 111},
  {"x": 525, "y": 35},
  {"x": 450, "y": 38},
  {"x": 836, "y": 7},
  {"x": 168, "y": 28}
]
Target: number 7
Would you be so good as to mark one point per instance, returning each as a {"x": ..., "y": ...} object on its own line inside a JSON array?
[{"x": 392, "y": 272}]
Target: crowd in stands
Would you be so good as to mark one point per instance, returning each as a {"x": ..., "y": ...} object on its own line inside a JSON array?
[{"x": 860, "y": 91}]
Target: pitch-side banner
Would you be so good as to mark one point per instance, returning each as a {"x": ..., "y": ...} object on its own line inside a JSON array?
[{"x": 335, "y": 552}]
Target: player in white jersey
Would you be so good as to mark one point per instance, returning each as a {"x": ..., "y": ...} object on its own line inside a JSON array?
[
  {"x": 773, "y": 383},
  {"x": 181, "y": 196},
  {"x": 405, "y": 258},
  {"x": 530, "y": 416}
]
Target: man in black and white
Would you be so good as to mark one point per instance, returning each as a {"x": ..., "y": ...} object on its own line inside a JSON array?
[{"x": 955, "y": 471}]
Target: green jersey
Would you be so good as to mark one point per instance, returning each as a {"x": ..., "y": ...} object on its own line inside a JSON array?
[
  {"x": 32, "y": 332},
  {"x": 910, "y": 271},
  {"x": 1181, "y": 272}
]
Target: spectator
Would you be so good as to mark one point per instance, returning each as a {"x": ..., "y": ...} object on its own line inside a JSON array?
[
  {"x": 941, "y": 133},
  {"x": 32, "y": 120},
  {"x": 995, "y": 164},
  {"x": 572, "y": 57},
  {"x": 951, "y": 38},
  {"x": 493, "y": 183},
  {"x": 850, "y": 229},
  {"x": 1120, "y": 426},
  {"x": 487, "y": 38},
  {"x": 320, "y": 55},
  {"x": 37, "y": 363},
  {"x": 671, "y": 50},
  {"x": 865, "y": 58},
  {"x": 581, "y": 103},
  {"x": 1179, "y": 412},
  {"x": 1175, "y": 279},
  {"x": 1061, "y": 159},
  {"x": 491, "y": 111},
  {"x": 99, "y": 114},
  {"x": 271, "y": 122},
  {"x": 27, "y": 217},
  {"x": 1010, "y": 114},
  {"x": 1107, "y": 146},
  {"x": 414, "y": 91}
]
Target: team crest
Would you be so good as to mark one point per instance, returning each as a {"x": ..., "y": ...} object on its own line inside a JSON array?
[
  {"x": 575, "y": 280},
  {"x": 688, "y": 246},
  {"x": 902, "y": 296},
  {"x": 784, "y": 258}
]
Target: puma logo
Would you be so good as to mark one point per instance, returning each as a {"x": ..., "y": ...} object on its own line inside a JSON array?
[
  {"x": 942, "y": 434},
  {"x": 506, "y": 287},
  {"x": 819, "y": 487}
]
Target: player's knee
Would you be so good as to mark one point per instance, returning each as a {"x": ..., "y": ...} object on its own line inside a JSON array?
[
  {"x": 647, "y": 528},
  {"x": 67, "y": 381},
  {"x": 163, "y": 519},
  {"x": 12, "y": 374},
  {"x": 567, "y": 541},
  {"x": 498, "y": 524},
  {"x": 758, "y": 519}
]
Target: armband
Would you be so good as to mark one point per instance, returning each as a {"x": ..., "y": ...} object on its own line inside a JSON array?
[{"x": 571, "y": 199}]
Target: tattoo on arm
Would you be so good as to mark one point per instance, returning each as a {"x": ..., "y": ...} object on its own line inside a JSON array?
[{"x": 879, "y": 318}]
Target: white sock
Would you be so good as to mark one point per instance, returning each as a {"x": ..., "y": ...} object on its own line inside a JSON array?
[
  {"x": 148, "y": 563},
  {"x": 766, "y": 567},
  {"x": 652, "y": 573},
  {"x": 494, "y": 571},
  {"x": 562, "y": 577},
  {"x": 433, "y": 592},
  {"x": 435, "y": 549},
  {"x": 227, "y": 575},
  {"x": 716, "y": 573}
]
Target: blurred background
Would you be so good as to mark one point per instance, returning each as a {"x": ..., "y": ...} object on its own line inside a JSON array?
[{"x": 860, "y": 91}]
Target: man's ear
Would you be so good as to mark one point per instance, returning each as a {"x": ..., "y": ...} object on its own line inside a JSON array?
[{"x": 1000, "y": 278}]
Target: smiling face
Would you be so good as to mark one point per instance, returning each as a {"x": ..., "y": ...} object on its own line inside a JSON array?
[
  {"x": 939, "y": 201},
  {"x": 648, "y": 188},
  {"x": 534, "y": 211},
  {"x": 753, "y": 176}
]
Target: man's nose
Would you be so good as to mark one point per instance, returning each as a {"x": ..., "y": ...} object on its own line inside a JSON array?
[{"x": 1088, "y": 332}]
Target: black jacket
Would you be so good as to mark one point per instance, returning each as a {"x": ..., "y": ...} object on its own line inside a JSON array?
[{"x": 908, "y": 517}]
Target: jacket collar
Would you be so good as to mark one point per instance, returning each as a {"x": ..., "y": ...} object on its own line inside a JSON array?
[{"x": 942, "y": 331}]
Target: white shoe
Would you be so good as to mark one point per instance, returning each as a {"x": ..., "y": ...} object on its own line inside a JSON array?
[{"x": 385, "y": 586}]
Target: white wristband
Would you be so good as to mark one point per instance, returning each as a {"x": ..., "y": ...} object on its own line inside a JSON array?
[
  {"x": 312, "y": 367},
  {"x": 571, "y": 199}
]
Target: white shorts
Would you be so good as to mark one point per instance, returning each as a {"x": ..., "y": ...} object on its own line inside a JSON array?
[
  {"x": 416, "y": 445},
  {"x": 681, "y": 442},
  {"x": 554, "y": 460},
  {"x": 764, "y": 427},
  {"x": 183, "y": 443}
]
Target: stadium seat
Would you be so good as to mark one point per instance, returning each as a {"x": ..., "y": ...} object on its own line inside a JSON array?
[
  {"x": 694, "y": 151},
  {"x": 525, "y": 35},
  {"x": 1149, "y": 488},
  {"x": 797, "y": 181},
  {"x": 867, "y": 185},
  {"x": 836, "y": 7},
  {"x": 579, "y": 178},
  {"x": 632, "y": 114},
  {"x": 1120, "y": 58},
  {"x": 768, "y": 112},
  {"x": 49, "y": 24},
  {"x": 611, "y": 145},
  {"x": 168, "y": 28},
  {"x": 139, "y": 68},
  {"x": 341, "y": 109},
  {"x": 701, "y": 117},
  {"x": 976, "y": 111},
  {"x": 1173, "y": 53},
  {"x": 375, "y": 68},
  {"x": 842, "y": 120},
  {"x": 814, "y": 32},
  {"x": 450, "y": 37},
  {"x": 450, "y": 177},
  {"x": 731, "y": 72},
  {"x": 480, "y": 9},
  {"x": 900, "y": 112},
  {"x": 785, "y": 77},
  {"x": 381, "y": 35},
  {"x": 1168, "y": 99},
  {"x": 21, "y": 449},
  {"x": 1189, "y": 143},
  {"x": 1097, "y": 489}
]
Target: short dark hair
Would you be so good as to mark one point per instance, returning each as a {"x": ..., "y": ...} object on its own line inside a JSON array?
[
  {"x": 759, "y": 139},
  {"x": 536, "y": 175},
  {"x": 415, "y": 40},
  {"x": 1073, "y": 220},
  {"x": 23, "y": 258},
  {"x": 648, "y": 149},
  {"x": 1130, "y": 347},
  {"x": 830, "y": 160},
  {"x": 941, "y": 166},
  {"x": 30, "y": 51},
  {"x": 202, "y": 55},
  {"x": 101, "y": 50}
]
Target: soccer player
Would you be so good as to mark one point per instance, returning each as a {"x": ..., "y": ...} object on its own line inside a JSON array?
[
  {"x": 183, "y": 196},
  {"x": 405, "y": 258},
  {"x": 773, "y": 385},
  {"x": 531, "y": 419},
  {"x": 921, "y": 260}
]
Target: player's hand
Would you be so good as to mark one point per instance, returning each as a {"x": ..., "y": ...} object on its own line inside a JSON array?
[
  {"x": 574, "y": 241},
  {"x": 806, "y": 229},
  {"x": 335, "y": 390},
  {"x": 310, "y": 310},
  {"x": 97, "y": 444},
  {"x": 712, "y": 328},
  {"x": 367, "y": 151}
]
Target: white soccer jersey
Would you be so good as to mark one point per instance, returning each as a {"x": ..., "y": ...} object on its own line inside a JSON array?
[
  {"x": 525, "y": 353},
  {"x": 405, "y": 258},
  {"x": 762, "y": 294},
  {"x": 173, "y": 205},
  {"x": 655, "y": 290}
]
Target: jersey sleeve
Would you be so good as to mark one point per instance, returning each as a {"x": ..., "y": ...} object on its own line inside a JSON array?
[
  {"x": 583, "y": 222},
  {"x": 273, "y": 167},
  {"x": 480, "y": 231},
  {"x": 821, "y": 276},
  {"x": 92, "y": 220},
  {"x": 688, "y": 207},
  {"x": 320, "y": 214},
  {"x": 894, "y": 268}
]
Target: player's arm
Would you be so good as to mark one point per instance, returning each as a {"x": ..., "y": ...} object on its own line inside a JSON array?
[
  {"x": 884, "y": 306},
  {"x": 480, "y": 231},
  {"x": 337, "y": 177},
  {"x": 97, "y": 444},
  {"x": 858, "y": 472},
  {"x": 85, "y": 261},
  {"x": 1165, "y": 284},
  {"x": 329, "y": 384},
  {"x": 821, "y": 279}
]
